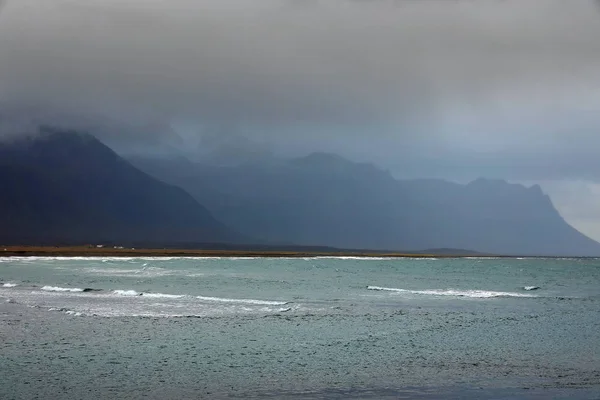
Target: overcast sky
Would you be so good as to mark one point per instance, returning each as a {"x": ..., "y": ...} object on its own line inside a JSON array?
[{"x": 428, "y": 88}]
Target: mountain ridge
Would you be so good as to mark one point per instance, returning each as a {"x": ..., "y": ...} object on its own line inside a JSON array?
[{"x": 343, "y": 204}]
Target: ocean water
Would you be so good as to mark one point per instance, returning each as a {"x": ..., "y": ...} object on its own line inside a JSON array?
[{"x": 187, "y": 328}]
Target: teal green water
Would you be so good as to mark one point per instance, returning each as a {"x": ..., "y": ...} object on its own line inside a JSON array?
[{"x": 299, "y": 328}]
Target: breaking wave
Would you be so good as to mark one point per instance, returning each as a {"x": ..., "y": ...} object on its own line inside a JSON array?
[
  {"x": 481, "y": 294},
  {"x": 133, "y": 293},
  {"x": 127, "y": 293},
  {"x": 162, "y": 295},
  {"x": 70, "y": 290},
  {"x": 61, "y": 289},
  {"x": 348, "y": 258},
  {"x": 9, "y": 285},
  {"x": 243, "y": 301}
]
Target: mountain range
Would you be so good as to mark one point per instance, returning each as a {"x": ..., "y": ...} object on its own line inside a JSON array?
[
  {"x": 328, "y": 200},
  {"x": 63, "y": 187}
]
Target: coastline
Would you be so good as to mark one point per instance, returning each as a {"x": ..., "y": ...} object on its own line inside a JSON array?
[
  {"x": 93, "y": 251},
  {"x": 108, "y": 251}
]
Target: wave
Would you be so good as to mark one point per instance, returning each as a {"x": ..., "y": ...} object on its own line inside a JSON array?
[
  {"x": 72, "y": 290},
  {"x": 66, "y": 311},
  {"x": 127, "y": 293},
  {"x": 69, "y": 258},
  {"x": 243, "y": 301},
  {"x": 453, "y": 292},
  {"x": 370, "y": 258},
  {"x": 9, "y": 285},
  {"x": 134, "y": 293},
  {"x": 162, "y": 295},
  {"x": 347, "y": 258},
  {"x": 118, "y": 292},
  {"x": 531, "y": 288},
  {"x": 102, "y": 259},
  {"x": 61, "y": 289}
]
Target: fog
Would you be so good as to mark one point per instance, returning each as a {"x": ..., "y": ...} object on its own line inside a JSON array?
[{"x": 427, "y": 88}]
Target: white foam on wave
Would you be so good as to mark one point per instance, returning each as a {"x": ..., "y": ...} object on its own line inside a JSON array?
[
  {"x": 69, "y": 258},
  {"x": 369, "y": 258},
  {"x": 9, "y": 285},
  {"x": 102, "y": 259},
  {"x": 243, "y": 301},
  {"x": 133, "y": 293},
  {"x": 61, "y": 289},
  {"x": 66, "y": 311},
  {"x": 531, "y": 287},
  {"x": 162, "y": 295},
  {"x": 481, "y": 294},
  {"x": 348, "y": 258},
  {"x": 126, "y": 293}
]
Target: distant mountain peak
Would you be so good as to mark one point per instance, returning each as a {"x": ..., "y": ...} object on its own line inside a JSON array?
[
  {"x": 492, "y": 185},
  {"x": 481, "y": 181},
  {"x": 324, "y": 162}
]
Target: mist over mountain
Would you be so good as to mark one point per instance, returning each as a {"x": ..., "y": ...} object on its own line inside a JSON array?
[
  {"x": 451, "y": 90},
  {"x": 328, "y": 200},
  {"x": 62, "y": 187},
  {"x": 427, "y": 89}
]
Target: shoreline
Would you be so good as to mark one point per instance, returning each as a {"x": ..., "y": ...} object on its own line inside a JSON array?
[
  {"x": 87, "y": 251},
  {"x": 94, "y": 251}
]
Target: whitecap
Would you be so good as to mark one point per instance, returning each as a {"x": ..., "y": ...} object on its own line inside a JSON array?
[
  {"x": 9, "y": 285},
  {"x": 531, "y": 287},
  {"x": 162, "y": 295},
  {"x": 243, "y": 301},
  {"x": 126, "y": 293},
  {"x": 453, "y": 292},
  {"x": 349, "y": 258},
  {"x": 61, "y": 289},
  {"x": 74, "y": 313}
]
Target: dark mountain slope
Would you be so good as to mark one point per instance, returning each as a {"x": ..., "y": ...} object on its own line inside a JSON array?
[
  {"x": 66, "y": 187},
  {"x": 323, "y": 199}
]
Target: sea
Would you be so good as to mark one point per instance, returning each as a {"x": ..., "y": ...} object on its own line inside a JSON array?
[{"x": 299, "y": 328}]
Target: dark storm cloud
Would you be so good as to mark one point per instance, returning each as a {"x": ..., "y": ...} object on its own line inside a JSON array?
[{"x": 429, "y": 87}]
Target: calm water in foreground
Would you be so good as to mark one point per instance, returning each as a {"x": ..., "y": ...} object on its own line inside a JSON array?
[{"x": 299, "y": 328}]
